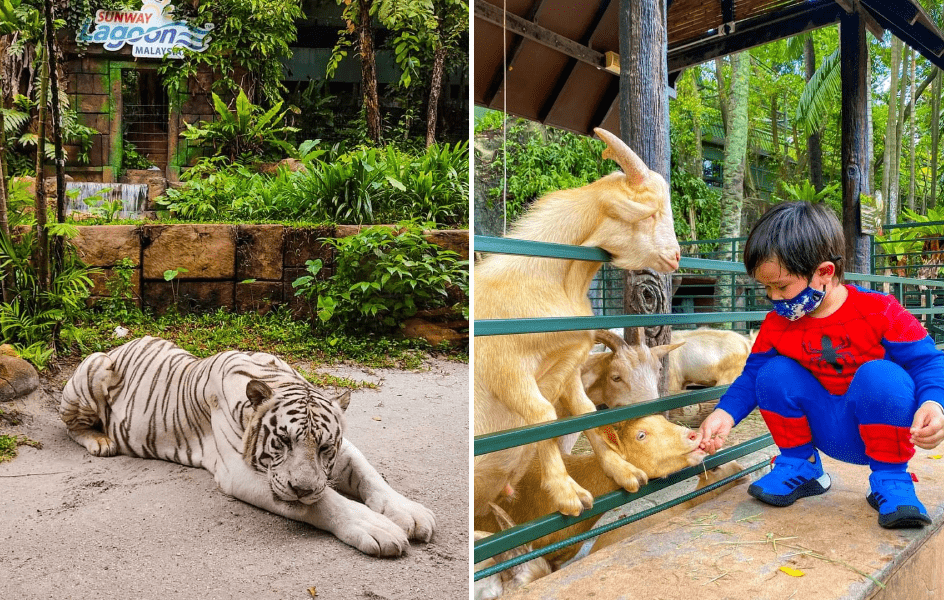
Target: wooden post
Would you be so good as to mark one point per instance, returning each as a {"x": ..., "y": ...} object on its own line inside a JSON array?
[
  {"x": 855, "y": 159},
  {"x": 644, "y": 126}
]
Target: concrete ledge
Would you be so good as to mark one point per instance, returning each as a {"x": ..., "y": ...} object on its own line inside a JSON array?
[{"x": 724, "y": 549}]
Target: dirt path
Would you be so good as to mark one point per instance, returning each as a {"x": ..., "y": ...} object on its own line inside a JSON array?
[{"x": 76, "y": 526}]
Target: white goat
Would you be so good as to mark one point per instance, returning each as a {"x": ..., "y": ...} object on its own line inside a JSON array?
[
  {"x": 626, "y": 374},
  {"x": 710, "y": 357},
  {"x": 523, "y": 379}
]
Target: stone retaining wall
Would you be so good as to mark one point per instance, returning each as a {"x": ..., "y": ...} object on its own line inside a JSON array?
[{"x": 238, "y": 267}]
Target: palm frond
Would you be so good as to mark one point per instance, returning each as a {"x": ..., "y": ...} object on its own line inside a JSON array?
[{"x": 819, "y": 95}]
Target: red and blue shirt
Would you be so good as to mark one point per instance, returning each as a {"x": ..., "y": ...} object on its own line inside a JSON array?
[{"x": 868, "y": 326}]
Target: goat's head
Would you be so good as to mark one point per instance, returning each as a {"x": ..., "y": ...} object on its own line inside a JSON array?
[
  {"x": 656, "y": 445},
  {"x": 637, "y": 228},
  {"x": 631, "y": 375}
]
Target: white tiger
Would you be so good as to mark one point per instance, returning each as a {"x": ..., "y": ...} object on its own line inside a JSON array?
[{"x": 269, "y": 437}]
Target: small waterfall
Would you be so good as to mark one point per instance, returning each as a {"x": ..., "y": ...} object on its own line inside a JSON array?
[{"x": 133, "y": 197}]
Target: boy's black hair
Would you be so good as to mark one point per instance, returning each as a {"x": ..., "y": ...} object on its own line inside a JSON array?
[{"x": 798, "y": 234}]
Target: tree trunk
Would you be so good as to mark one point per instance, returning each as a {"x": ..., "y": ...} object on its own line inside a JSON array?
[
  {"x": 774, "y": 124},
  {"x": 814, "y": 144},
  {"x": 935, "y": 127},
  {"x": 735, "y": 147},
  {"x": 894, "y": 186},
  {"x": 890, "y": 142},
  {"x": 644, "y": 126},
  {"x": 435, "y": 89},
  {"x": 854, "y": 152},
  {"x": 59, "y": 244},
  {"x": 911, "y": 140},
  {"x": 42, "y": 245},
  {"x": 723, "y": 100},
  {"x": 365, "y": 39}
]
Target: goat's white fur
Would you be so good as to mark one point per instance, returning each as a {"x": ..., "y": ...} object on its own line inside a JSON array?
[{"x": 524, "y": 379}]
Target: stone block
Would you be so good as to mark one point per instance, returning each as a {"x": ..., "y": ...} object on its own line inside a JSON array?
[
  {"x": 456, "y": 240},
  {"x": 259, "y": 296},
  {"x": 100, "y": 122},
  {"x": 188, "y": 296},
  {"x": 17, "y": 378},
  {"x": 105, "y": 245},
  {"x": 155, "y": 180},
  {"x": 206, "y": 251},
  {"x": 303, "y": 244},
  {"x": 93, "y": 103},
  {"x": 101, "y": 278},
  {"x": 259, "y": 251}
]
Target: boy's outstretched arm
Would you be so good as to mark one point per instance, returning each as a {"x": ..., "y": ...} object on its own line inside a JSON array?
[
  {"x": 927, "y": 430},
  {"x": 714, "y": 430}
]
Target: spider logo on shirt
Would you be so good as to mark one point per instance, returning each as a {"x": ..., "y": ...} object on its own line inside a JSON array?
[{"x": 828, "y": 354}]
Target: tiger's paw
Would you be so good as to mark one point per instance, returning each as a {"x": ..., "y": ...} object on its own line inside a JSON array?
[
  {"x": 416, "y": 520},
  {"x": 372, "y": 533},
  {"x": 96, "y": 442}
]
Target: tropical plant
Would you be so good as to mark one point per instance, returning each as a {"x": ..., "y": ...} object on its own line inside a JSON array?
[
  {"x": 245, "y": 133},
  {"x": 383, "y": 276}
]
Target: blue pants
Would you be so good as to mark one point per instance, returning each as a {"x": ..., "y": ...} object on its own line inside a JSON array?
[{"x": 869, "y": 424}]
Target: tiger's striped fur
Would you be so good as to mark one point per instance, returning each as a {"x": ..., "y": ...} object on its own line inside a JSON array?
[{"x": 268, "y": 436}]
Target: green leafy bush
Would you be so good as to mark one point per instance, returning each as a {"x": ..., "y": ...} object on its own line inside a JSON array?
[{"x": 383, "y": 276}]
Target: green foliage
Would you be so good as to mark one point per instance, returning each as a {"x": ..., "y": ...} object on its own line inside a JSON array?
[
  {"x": 10, "y": 443},
  {"x": 120, "y": 303},
  {"x": 32, "y": 316},
  {"x": 830, "y": 195},
  {"x": 366, "y": 185},
  {"x": 248, "y": 35},
  {"x": 820, "y": 95},
  {"x": 132, "y": 159},
  {"x": 245, "y": 133},
  {"x": 542, "y": 160},
  {"x": 383, "y": 276},
  {"x": 694, "y": 204}
]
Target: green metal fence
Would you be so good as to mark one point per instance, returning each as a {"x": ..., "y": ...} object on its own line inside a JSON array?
[{"x": 713, "y": 260}]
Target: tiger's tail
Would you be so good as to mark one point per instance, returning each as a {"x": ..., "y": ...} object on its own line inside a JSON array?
[{"x": 84, "y": 404}]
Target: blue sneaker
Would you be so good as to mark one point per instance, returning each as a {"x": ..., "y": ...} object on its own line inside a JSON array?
[
  {"x": 790, "y": 480},
  {"x": 893, "y": 496}
]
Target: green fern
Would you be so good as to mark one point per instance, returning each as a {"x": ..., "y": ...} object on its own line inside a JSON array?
[{"x": 819, "y": 95}]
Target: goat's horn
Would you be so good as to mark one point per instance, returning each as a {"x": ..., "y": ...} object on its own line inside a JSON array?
[
  {"x": 608, "y": 339},
  {"x": 503, "y": 518},
  {"x": 633, "y": 166}
]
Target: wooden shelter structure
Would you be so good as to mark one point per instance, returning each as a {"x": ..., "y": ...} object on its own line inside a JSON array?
[{"x": 612, "y": 64}]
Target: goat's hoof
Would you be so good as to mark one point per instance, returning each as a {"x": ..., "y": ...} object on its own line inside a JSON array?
[{"x": 573, "y": 499}]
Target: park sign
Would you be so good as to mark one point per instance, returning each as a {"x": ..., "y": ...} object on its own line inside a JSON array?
[{"x": 152, "y": 31}]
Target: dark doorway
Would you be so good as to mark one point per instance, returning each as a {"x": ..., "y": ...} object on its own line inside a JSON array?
[{"x": 144, "y": 117}]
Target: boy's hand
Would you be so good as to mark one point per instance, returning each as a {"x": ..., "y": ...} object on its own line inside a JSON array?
[
  {"x": 715, "y": 429},
  {"x": 927, "y": 430}
]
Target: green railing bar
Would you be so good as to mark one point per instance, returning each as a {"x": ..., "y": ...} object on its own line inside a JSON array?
[
  {"x": 581, "y": 537},
  {"x": 509, "y": 438},
  {"x": 539, "y": 325},
  {"x": 532, "y": 530},
  {"x": 499, "y": 245},
  {"x": 890, "y": 279}
]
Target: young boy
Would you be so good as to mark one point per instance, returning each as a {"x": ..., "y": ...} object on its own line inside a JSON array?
[{"x": 835, "y": 368}]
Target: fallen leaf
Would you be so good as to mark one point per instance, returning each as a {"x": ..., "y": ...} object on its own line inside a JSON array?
[
  {"x": 376, "y": 418},
  {"x": 936, "y": 456},
  {"x": 792, "y": 572},
  {"x": 312, "y": 591}
]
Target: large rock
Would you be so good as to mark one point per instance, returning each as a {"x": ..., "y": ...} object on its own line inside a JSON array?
[
  {"x": 259, "y": 252},
  {"x": 105, "y": 245},
  {"x": 17, "y": 377},
  {"x": 205, "y": 251}
]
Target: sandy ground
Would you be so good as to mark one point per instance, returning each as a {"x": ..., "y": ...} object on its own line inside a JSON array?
[{"x": 76, "y": 526}]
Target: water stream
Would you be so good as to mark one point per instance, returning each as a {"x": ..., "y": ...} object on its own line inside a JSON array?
[{"x": 115, "y": 200}]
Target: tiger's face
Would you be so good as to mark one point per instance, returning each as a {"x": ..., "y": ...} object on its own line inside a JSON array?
[{"x": 294, "y": 437}]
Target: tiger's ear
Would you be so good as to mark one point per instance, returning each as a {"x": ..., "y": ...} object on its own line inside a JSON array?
[
  {"x": 257, "y": 392},
  {"x": 344, "y": 399}
]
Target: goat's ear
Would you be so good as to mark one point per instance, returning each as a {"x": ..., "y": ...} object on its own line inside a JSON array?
[
  {"x": 633, "y": 167},
  {"x": 623, "y": 209},
  {"x": 660, "y": 351},
  {"x": 501, "y": 517},
  {"x": 257, "y": 392}
]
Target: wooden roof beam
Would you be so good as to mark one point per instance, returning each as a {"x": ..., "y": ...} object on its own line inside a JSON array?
[
  {"x": 527, "y": 29},
  {"x": 755, "y": 32},
  {"x": 873, "y": 26},
  {"x": 922, "y": 35},
  {"x": 514, "y": 49}
]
